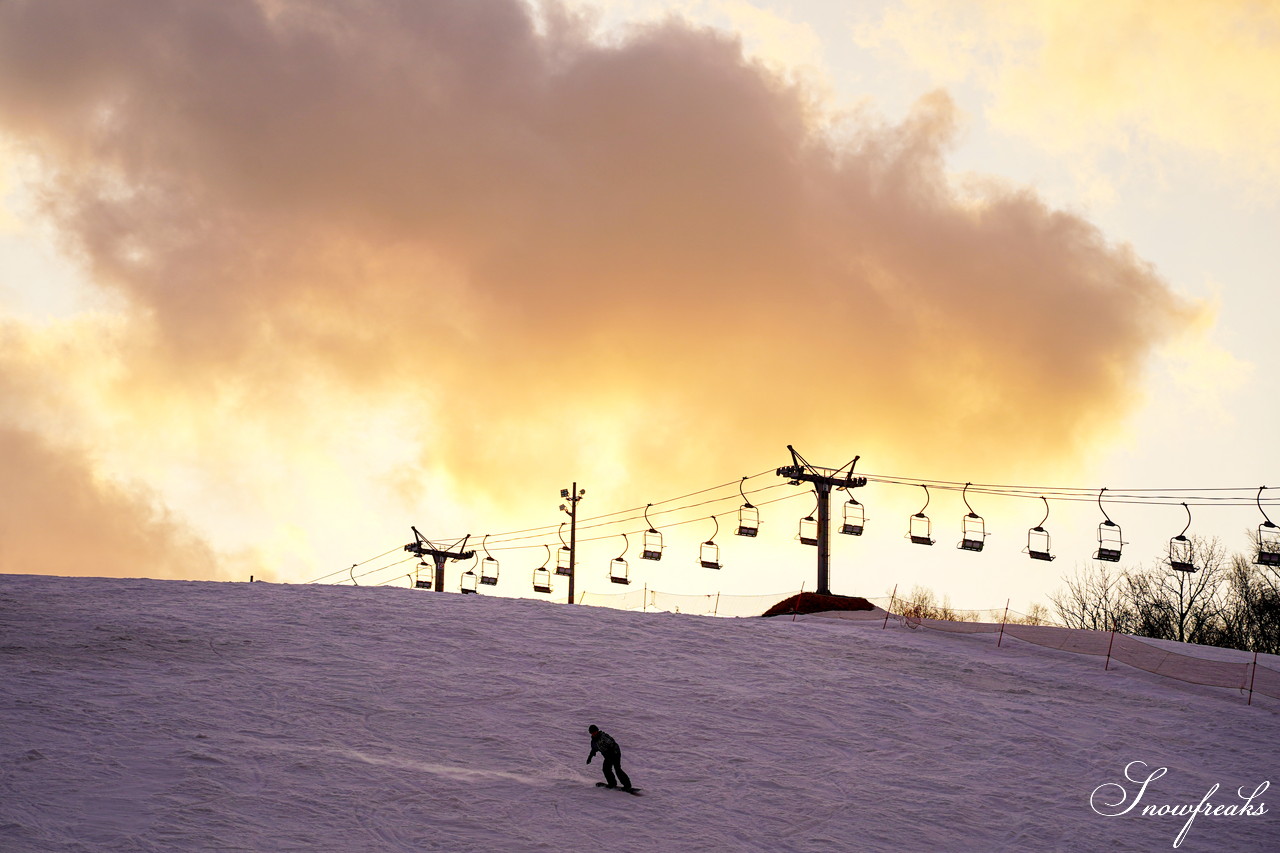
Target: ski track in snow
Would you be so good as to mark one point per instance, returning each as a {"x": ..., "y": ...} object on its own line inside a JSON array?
[{"x": 142, "y": 715}]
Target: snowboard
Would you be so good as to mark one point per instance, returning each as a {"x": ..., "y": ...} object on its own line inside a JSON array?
[{"x": 635, "y": 792}]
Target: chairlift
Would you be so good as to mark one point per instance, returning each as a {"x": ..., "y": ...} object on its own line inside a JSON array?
[
  {"x": 545, "y": 562},
  {"x": 855, "y": 518},
  {"x": 808, "y": 534},
  {"x": 419, "y": 582},
  {"x": 709, "y": 553},
  {"x": 748, "y": 515},
  {"x": 1038, "y": 541},
  {"x": 652, "y": 549},
  {"x": 919, "y": 527},
  {"x": 1268, "y": 538},
  {"x": 564, "y": 557},
  {"x": 1181, "y": 553},
  {"x": 1109, "y": 541},
  {"x": 488, "y": 566},
  {"x": 542, "y": 579},
  {"x": 618, "y": 565},
  {"x": 973, "y": 529},
  {"x": 467, "y": 582}
]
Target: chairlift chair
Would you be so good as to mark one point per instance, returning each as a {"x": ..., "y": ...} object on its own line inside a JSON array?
[
  {"x": 652, "y": 549},
  {"x": 748, "y": 515},
  {"x": 564, "y": 557},
  {"x": 855, "y": 518},
  {"x": 467, "y": 581},
  {"x": 974, "y": 533},
  {"x": 488, "y": 566},
  {"x": 542, "y": 579},
  {"x": 808, "y": 530},
  {"x": 709, "y": 552},
  {"x": 1268, "y": 545},
  {"x": 618, "y": 565},
  {"x": 652, "y": 546},
  {"x": 1109, "y": 541},
  {"x": 973, "y": 529},
  {"x": 808, "y": 534},
  {"x": 1038, "y": 540},
  {"x": 420, "y": 582},
  {"x": 1181, "y": 552},
  {"x": 1268, "y": 538},
  {"x": 919, "y": 527},
  {"x": 709, "y": 555}
]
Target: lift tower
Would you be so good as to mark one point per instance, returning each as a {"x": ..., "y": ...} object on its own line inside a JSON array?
[
  {"x": 824, "y": 480},
  {"x": 424, "y": 547}
]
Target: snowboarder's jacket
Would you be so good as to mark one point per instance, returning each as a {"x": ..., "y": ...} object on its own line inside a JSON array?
[{"x": 605, "y": 745}]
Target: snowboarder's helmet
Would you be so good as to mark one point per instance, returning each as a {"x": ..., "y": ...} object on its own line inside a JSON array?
[{"x": 592, "y": 729}]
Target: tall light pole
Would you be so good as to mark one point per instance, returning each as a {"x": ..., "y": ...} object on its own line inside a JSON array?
[{"x": 572, "y": 495}]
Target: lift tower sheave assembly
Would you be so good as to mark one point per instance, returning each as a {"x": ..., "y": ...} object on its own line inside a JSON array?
[
  {"x": 823, "y": 480},
  {"x": 424, "y": 547}
]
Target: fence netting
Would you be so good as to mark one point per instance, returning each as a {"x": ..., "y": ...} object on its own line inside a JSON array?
[
  {"x": 713, "y": 604},
  {"x": 1228, "y": 668},
  {"x": 1214, "y": 667}
]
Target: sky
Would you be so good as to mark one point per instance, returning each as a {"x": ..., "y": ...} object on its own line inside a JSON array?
[{"x": 280, "y": 279}]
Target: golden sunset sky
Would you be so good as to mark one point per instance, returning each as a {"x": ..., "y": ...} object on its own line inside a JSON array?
[{"x": 279, "y": 279}]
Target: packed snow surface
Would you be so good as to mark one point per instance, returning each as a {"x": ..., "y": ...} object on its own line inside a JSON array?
[{"x": 177, "y": 716}]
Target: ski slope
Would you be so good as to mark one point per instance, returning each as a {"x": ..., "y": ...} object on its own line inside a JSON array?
[{"x": 178, "y": 716}]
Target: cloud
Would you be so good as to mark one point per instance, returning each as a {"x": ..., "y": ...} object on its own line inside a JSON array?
[
  {"x": 61, "y": 519},
  {"x": 534, "y": 252},
  {"x": 1124, "y": 76}
]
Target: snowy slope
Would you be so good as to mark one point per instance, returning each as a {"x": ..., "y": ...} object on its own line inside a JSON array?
[{"x": 173, "y": 716}]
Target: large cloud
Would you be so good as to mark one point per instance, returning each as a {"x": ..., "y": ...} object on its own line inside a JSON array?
[{"x": 543, "y": 250}]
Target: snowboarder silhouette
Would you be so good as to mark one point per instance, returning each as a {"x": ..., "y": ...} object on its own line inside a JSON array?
[{"x": 608, "y": 747}]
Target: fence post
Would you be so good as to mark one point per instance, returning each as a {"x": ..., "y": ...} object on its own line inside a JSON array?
[
  {"x": 715, "y": 608},
  {"x": 644, "y": 602},
  {"x": 1003, "y": 619},
  {"x": 1109, "y": 642},
  {"x": 889, "y": 609},
  {"x": 1252, "y": 676},
  {"x": 796, "y": 609}
]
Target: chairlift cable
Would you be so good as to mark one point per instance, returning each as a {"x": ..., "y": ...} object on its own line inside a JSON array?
[
  {"x": 1187, "y": 497},
  {"x": 356, "y": 565},
  {"x": 667, "y": 525}
]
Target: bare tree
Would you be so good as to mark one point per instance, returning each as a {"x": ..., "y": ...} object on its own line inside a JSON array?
[
  {"x": 1251, "y": 617},
  {"x": 920, "y": 604},
  {"x": 1157, "y": 601},
  {"x": 1094, "y": 599},
  {"x": 1194, "y": 599},
  {"x": 1178, "y": 605},
  {"x": 1037, "y": 614}
]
